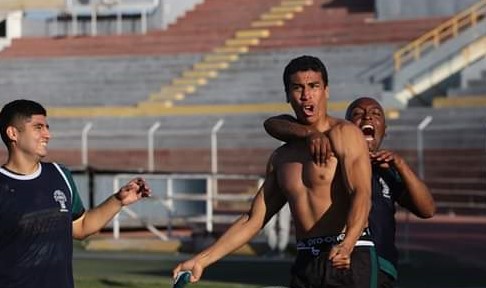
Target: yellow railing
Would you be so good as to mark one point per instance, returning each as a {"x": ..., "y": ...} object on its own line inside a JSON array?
[{"x": 445, "y": 31}]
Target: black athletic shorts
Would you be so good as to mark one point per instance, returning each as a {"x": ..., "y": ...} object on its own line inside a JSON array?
[
  {"x": 312, "y": 269},
  {"x": 385, "y": 280}
]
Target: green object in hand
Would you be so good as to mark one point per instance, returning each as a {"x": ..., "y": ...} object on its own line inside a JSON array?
[{"x": 182, "y": 279}]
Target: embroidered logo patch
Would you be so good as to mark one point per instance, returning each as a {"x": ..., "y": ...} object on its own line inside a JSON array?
[{"x": 60, "y": 198}]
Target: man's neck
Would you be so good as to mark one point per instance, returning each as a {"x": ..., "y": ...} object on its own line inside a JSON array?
[
  {"x": 325, "y": 124},
  {"x": 21, "y": 166}
]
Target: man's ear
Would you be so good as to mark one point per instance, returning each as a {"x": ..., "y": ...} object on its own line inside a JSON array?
[
  {"x": 12, "y": 133},
  {"x": 326, "y": 90},
  {"x": 287, "y": 97}
]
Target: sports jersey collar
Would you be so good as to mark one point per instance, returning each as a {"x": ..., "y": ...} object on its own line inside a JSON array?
[{"x": 22, "y": 177}]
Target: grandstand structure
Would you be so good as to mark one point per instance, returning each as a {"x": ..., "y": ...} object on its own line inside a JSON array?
[{"x": 192, "y": 97}]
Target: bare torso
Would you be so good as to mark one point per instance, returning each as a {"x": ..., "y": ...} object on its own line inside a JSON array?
[{"x": 317, "y": 195}]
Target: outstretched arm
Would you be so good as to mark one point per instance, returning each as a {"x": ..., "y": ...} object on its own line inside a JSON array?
[
  {"x": 417, "y": 197},
  {"x": 266, "y": 203},
  {"x": 352, "y": 152},
  {"x": 95, "y": 219},
  {"x": 286, "y": 128}
]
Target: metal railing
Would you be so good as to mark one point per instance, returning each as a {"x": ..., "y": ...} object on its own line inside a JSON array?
[
  {"x": 428, "y": 134},
  {"x": 117, "y": 8},
  {"x": 214, "y": 138},
  {"x": 434, "y": 38},
  {"x": 166, "y": 196},
  {"x": 416, "y": 141}
]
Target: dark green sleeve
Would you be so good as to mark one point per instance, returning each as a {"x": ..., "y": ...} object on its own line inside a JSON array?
[{"x": 77, "y": 205}]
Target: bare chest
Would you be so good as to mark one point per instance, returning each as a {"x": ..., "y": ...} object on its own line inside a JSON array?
[{"x": 296, "y": 171}]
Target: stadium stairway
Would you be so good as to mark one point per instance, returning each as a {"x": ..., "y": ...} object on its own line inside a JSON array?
[
  {"x": 471, "y": 92},
  {"x": 293, "y": 24},
  {"x": 257, "y": 76},
  {"x": 199, "y": 31},
  {"x": 339, "y": 23},
  {"x": 422, "y": 68},
  {"x": 222, "y": 57},
  {"x": 196, "y": 33}
]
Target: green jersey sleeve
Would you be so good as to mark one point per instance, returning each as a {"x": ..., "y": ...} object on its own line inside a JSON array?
[{"x": 76, "y": 202}]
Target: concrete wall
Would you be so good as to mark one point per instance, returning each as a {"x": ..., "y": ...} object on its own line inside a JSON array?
[
  {"x": 173, "y": 9},
  {"x": 473, "y": 72},
  {"x": 413, "y": 9},
  {"x": 42, "y": 23}
]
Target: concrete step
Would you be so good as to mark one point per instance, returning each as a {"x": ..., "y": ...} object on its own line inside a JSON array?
[{"x": 267, "y": 23}]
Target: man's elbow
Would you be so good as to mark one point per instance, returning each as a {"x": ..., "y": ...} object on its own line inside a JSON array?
[
  {"x": 423, "y": 210},
  {"x": 81, "y": 232},
  {"x": 252, "y": 223},
  {"x": 269, "y": 125},
  {"x": 427, "y": 213},
  {"x": 80, "y": 236}
]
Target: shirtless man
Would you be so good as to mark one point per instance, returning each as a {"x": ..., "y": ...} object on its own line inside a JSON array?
[
  {"x": 329, "y": 202},
  {"x": 393, "y": 179}
]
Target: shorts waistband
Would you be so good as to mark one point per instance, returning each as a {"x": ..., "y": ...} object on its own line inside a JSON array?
[{"x": 316, "y": 243}]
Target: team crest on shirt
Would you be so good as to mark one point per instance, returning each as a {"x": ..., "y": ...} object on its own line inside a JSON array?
[
  {"x": 385, "y": 190},
  {"x": 60, "y": 198}
]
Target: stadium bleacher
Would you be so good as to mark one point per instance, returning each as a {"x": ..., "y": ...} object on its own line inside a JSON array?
[
  {"x": 120, "y": 72},
  {"x": 90, "y": 81},
  {"x": 257, "y": 77}
]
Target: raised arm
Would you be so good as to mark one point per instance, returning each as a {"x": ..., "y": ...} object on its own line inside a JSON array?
[
  {"x": 95, "y": 219},
  {"x": 417, "y": 197},
  {"x": 352, "y": 152},
  {"x": 286, "y": 128},
  {"x": 266, "y": 203}
]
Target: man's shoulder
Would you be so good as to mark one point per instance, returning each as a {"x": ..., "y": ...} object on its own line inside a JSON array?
[
  {"x": 51, "y": 164},
  {"x": 281, "y": 150},
  {"x": 47, "y": 165},
  {"x": 336, "y": 122},
  {"x": 342, "y": 126},
  {"x": 57, "y": 167},
  {"x": 289, "y": 150}
]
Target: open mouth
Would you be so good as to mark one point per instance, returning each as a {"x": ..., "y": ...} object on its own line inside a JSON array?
[
  {"x": 368, "y": 132},
  {"x": 308, "y": 110}
]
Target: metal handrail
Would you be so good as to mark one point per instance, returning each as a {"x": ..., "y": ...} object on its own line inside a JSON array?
[{"x": 434, "y": 38}]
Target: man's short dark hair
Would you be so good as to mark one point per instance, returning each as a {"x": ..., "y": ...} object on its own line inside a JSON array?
[
  {"x": 15, "y": 112},
  {"x": 355, "y": 102},
  {"x": 303, "y": 63}
]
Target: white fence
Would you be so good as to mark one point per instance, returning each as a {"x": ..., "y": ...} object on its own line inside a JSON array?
[
  {"x": 456, "y": 170},
  {"x": 426, "y": 135},
  {"x": 190, "y": 198}
]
